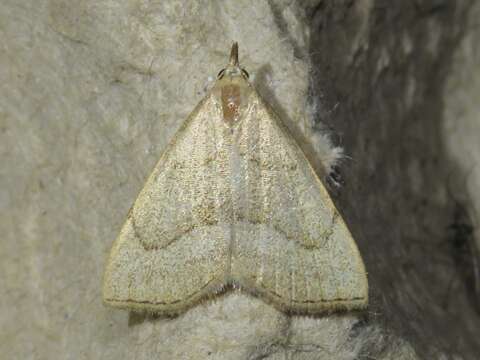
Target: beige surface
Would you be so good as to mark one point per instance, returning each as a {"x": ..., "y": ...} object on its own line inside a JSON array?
[{"x": 91, "y": 92}]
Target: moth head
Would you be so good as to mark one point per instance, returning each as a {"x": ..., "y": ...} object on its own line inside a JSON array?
[
  {"x": 233, "y": 68},
  {"x": 233, "y": 89}
]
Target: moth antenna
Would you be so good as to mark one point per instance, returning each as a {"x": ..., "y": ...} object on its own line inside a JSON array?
[{"x": 234, "y": 54}]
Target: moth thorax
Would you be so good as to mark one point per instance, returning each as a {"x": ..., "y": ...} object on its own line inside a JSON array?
[{"x": 231, "y": 102}]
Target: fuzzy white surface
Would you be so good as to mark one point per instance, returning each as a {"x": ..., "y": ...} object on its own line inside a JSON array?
[{"x": 90, "y": 94}]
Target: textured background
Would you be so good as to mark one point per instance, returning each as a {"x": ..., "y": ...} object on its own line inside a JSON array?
[{"x": 91, "y": 92}]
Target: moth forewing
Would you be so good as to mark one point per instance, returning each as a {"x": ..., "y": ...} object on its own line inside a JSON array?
[{"x": 234, "y": 201}]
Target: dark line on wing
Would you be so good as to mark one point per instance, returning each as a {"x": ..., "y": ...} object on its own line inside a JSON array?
[
  {"x": 231, "y": 287},
  {"x": 192, "y": 295},
  {"x": 194, "y": 226}
]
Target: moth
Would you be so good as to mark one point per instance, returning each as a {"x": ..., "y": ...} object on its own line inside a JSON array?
[{"x": 234, "y": 202}]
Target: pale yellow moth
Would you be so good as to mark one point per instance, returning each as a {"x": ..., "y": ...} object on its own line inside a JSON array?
[{"x": 233, "y": 202}]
